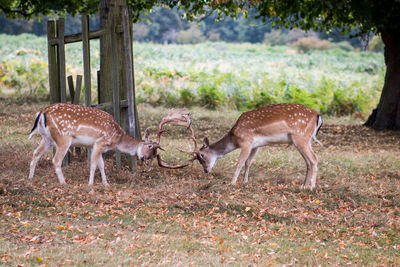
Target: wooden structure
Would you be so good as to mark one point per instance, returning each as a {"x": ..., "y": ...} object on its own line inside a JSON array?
[{"x": 115, "y": 79}]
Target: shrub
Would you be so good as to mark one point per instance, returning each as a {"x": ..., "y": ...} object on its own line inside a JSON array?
[
  {"x": 213, "y": 36},
  {"x": 193, "y": 35},
  {"x": 344, "y": 45},
  {"x": 294, "y": 94},
  {"x": 25, "y": 77},
  {"x": 376, "y": 44},
  {"x": 237, "y": 97},
  {"x": 209, "y": 96},
  {"x": 297, "y": 34},
  {"x": 140, "y": 32},
  {"x": 311, "y": 43},
  {"x": 341, "y": 104},
  {"x": 275, "y": 37},
  {"x": 186, "y": 97},
  {"x": 261, "y": 98}
]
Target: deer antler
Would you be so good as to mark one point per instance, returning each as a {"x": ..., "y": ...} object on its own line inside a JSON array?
[
  {"x": 193, "y": 137},
  {"x": 163, "y": 164},
  {"x": 176, "y": 119}
]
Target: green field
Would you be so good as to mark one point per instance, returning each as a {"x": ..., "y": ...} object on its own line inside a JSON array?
[{"x": 214, "y": 75}]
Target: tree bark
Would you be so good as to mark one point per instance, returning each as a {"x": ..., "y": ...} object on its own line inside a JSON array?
[
  {"x": 111, "y": 19},
  {"x": 387, "y": 114}
]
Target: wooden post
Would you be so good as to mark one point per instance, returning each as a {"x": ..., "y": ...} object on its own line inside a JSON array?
[
  {"x": 118, "y": 38},
  {"x": 75, "y": 91},
  {"x": 78, "y": 88},
  {"x": 52, "y": 60},
  {"x": 99, "y": 100},
  {"x": 61, "y": 60},
  {"x": 116, "y": 100},
  {"x": 86, "y": 59},
  {"x": 86, "y": 66},
  {"x": 131, "y": 118},
  {"x": 71, "y": 88},
  {"x": 76, "y": 100},
  {"x": 61, "y": 72},
  {"x": 111, "y": 13}
]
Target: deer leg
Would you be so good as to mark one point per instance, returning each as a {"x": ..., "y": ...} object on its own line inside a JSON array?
[
  {"x": 100, "y": 163},
  {"x": 96, "y": 153},
  {"x": 314, "y": 166},
  {"x": 244, "y": 154},
  {"x": 248, "y": 164},
  {"x": 305, "y": 149},
  {"x": 39, "y": 151},
  {"x": 58, "y": 158}
]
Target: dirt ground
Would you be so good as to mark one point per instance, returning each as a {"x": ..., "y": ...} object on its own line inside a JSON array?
[{"x": 352, "y": 217}]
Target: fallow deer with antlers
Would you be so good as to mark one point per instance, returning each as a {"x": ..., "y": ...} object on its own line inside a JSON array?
[
  {"x": 275, "y": 124},
  {"x": 65, "y": 125}
]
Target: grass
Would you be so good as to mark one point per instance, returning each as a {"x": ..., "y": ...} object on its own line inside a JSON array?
[
  {"x": 184, "y": 217},
  {"x": 215, "y": 75}
]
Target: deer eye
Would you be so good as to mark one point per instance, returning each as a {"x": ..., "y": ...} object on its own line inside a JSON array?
[
  {"x": 150, "y": 146},
  {"x": 202, "y": 155}
]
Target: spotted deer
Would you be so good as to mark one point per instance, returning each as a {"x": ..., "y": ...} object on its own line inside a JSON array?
[
  {"x": 275, "y": 124},
  {"x": 65, "y": 125}
]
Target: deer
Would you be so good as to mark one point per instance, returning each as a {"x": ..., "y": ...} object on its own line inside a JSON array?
[
  {"x": 64, "y": 125},
  {"x": 274, "y": 124}
]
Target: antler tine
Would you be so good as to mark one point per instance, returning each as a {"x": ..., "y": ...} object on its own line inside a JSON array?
[
  {"x": 192, "y": 135},
  {"x": 177, "y": 119},
  {"x": 163, "y": 164},
  {"x": 193, "y": 154}
]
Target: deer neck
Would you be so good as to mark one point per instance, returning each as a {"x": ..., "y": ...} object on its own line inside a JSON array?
[
  {"x": 223, "y": 146},
  {"x": 129, "y": 144}
]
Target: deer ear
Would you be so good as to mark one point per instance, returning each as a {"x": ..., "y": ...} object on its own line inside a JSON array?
[
  {"x": 147, "y": 137},
  {"x": 206, "y": 143}
]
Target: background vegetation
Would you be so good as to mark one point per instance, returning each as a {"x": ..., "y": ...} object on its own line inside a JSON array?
[
  {"x": 165, "y": 25},
  {"x": 333, "y": 78}
]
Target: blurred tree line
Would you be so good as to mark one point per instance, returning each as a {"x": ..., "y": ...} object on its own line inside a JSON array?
[{"x": 166, "y": 26}]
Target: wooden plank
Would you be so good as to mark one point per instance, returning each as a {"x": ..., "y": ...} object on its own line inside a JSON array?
[
  {"x": 99, "y": 100},
  {"x": 116, "y": 107},
  {"x": 86, "y": 59},
  {"x": 74, "y": 38},
  {"x": 76, "y": 100},
  {"x": 78, "y": 89},
  {"x": 109, "y": 105},
  {"x": 52, "y": 62},
  {"x": 61, "y": 60},
  {"x": 71, "y": 87}
]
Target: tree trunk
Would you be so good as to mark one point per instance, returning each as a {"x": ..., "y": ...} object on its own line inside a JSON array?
[
  {"x": 111, "y": 12},
  {"x": 387, "y": 114}
]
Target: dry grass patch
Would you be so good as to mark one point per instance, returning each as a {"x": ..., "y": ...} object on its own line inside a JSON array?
[{"x": 184, "y": 217}]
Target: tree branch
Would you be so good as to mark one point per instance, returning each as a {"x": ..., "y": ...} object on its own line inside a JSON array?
[
  {"x": 206, "y": 16},
  {"x": 8, "y": 11}
]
